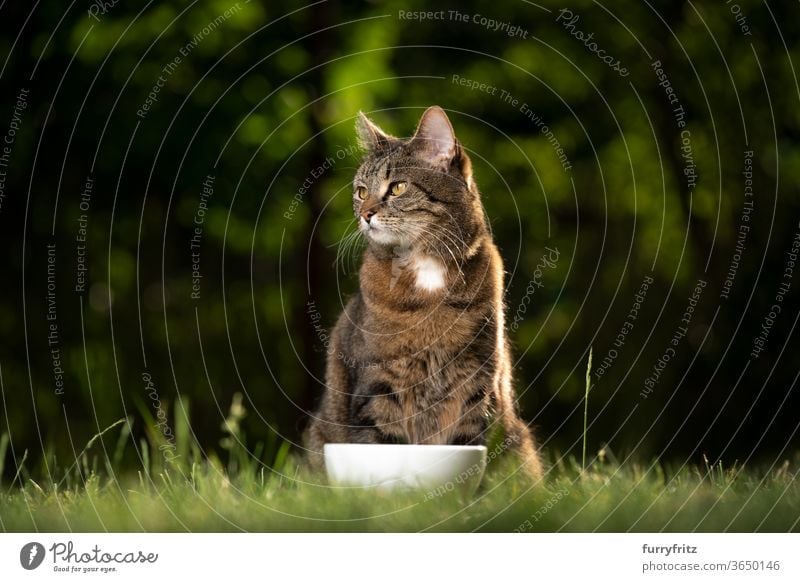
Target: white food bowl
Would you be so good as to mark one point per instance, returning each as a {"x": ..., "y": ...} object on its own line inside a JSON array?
[{"x": 439, "y": 468}]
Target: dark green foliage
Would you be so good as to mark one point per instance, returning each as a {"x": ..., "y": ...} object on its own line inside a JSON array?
[{"x": 260, "y": 104}]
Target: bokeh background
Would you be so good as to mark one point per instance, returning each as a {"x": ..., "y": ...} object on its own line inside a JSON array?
[{"x": 218, "y": 141}]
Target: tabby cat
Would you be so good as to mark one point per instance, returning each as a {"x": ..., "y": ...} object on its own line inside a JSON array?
[{"x": 420, "y": 354}]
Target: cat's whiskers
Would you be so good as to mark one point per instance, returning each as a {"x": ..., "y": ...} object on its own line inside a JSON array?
[
  {"x": 426, "y": 229},
  {"x": 460, "y": 239},
  {"x": 459, "y": 248},
  {"x": 357, "y": 243},
  {"x": 347, "y": 247},
  {"x": 438, "y": 232},
  {"x": 340, "y": 246},
  {"x": 441, "y": 242}
]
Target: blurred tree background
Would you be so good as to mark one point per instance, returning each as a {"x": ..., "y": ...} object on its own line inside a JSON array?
[{"x": 217, "y": 140}]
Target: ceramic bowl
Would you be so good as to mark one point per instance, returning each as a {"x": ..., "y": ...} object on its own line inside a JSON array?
[{"x": 439, "y": 468}]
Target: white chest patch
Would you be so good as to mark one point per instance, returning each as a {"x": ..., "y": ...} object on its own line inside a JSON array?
[{"x": 430, "y": 273}]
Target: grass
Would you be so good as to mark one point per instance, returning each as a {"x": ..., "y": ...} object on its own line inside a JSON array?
[
  {"x": 265, "y": 488},
  {"x": 207, "y": 496}
]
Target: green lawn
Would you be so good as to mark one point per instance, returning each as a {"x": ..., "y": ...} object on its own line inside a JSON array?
[{"x": 207, "y": 497}]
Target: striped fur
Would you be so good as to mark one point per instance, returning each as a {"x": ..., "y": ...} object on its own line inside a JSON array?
[{"x": 412, "y": 361}]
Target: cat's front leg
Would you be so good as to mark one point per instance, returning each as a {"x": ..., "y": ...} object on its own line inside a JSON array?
[
  {"x": 473, "y": 425},
  {"x": 375, "y": 412},
  {"x": 329, "y": 423}
]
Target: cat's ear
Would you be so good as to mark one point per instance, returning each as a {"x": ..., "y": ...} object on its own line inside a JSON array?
[
  {"x": 435, "y": 140},
  {"x": 370, "y": 136}
]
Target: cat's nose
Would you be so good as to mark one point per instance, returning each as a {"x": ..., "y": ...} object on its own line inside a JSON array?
[{"x": 367, "y": 214}]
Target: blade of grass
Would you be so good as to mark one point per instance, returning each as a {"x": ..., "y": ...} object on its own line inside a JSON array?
[
  {"x": 145, "y": 458},
  {"x": 38, "y": 488},
  {"x": 92, "y": 440},
  {"x": 3, "y": 448},
  {"x": 182, "y": 429},
  {"x": 586, "y": 407},
  {"x": 281, "y": 456},
  {"x": 19, "y": 470},
  {"x": 120, "y": 448}
]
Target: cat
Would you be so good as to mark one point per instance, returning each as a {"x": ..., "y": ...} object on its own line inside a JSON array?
[{"x": 419, "y": 354}]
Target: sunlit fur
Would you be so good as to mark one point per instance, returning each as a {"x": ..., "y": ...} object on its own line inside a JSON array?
[{"x": 420, "y": 353}]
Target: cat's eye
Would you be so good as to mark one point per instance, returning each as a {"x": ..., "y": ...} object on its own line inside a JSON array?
[
  {"x": 398, "y": 188},
  {"x": 361, "y": 192}
]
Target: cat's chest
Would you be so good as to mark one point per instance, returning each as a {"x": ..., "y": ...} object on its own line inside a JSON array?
[{"x": 428, "y": 273}]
